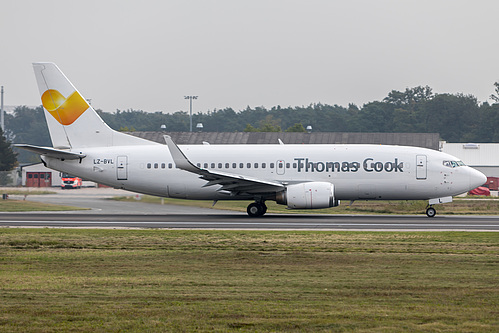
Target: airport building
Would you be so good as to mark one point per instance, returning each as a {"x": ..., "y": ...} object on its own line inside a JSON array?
[
  {"x": 37, "y": 175},
  {"x": 425, "y": 140}
]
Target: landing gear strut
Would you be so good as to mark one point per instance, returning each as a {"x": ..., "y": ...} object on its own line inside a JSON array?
[
  {"x": 430, "y": 211},
  {"x": 256, "y": 209}
]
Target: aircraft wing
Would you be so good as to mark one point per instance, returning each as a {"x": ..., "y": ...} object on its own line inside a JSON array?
[
  {"x": 51, "y": 152},
  {"x": 233, "y": 183}
]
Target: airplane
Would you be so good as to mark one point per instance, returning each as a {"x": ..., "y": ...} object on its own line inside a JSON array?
[{"x": 298, "y": 176}]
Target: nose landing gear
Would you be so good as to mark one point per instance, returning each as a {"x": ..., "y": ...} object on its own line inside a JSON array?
[
  {"x": 257, "y": 209},
  {"x": 430, "y": 211}
]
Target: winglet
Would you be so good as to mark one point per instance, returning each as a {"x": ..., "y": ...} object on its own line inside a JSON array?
[{"x": 181, "y": 161}]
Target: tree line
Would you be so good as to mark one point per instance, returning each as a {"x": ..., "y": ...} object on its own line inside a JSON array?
[{"x": 457, "y": 117}]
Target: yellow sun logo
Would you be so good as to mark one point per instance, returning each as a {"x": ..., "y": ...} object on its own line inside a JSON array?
[{"x": 64, "y": 110}]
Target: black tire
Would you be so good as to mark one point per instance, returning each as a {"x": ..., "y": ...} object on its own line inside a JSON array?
[
  {"x": 431, "y": 212},
  {"x": 256, "y": 209}
]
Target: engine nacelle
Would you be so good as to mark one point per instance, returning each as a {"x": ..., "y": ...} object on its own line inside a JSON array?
[{"x": 309, "y": 195}]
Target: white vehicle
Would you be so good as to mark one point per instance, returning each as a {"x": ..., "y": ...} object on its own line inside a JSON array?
[{"x": 299, "y": 176}]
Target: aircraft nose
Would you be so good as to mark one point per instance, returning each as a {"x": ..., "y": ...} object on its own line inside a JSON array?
[{"x": 476, "y": 178}]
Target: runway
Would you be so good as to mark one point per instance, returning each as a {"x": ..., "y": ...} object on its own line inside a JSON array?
[
  {"x": 106, "y": 213},
  {"x": 238, "y": 221}
]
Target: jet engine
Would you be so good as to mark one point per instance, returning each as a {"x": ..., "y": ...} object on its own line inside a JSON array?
[{"x": 308, "y": 196}]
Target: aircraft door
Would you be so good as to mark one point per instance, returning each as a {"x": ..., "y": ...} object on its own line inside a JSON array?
[
  {"x": 280, "y": 167},
  {"x": 122, "y": 167},
  {"x": 421, "y": 169}
]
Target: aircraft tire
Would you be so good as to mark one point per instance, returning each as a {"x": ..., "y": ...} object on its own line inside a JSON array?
[
  {"x": 431, "y": 212},
  {"x": 256, "y": 209}
]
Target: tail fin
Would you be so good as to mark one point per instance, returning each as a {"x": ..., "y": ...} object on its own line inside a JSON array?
[{"x": 72, "y": 122}]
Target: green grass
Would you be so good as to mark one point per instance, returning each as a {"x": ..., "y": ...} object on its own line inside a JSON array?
[
  {"x": 15, "y": 191},
  {"x": 32, "y": 206},
  {"x": 54, "y": 280},
  {"x": 458, "y": 206}
]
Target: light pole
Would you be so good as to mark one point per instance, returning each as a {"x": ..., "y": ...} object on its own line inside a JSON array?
[
  {"x": 190, "y": 98},
  {"x": 2, "y": 121}
]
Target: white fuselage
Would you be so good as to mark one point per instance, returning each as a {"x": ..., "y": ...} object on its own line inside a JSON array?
[{"x": 373, "y": 172}]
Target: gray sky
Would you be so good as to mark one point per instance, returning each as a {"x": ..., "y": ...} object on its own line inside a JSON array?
[{"x": 149, "y": 54}]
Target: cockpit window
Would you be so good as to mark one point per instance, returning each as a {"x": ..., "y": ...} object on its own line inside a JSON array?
[{"x": 453, "y": 164}]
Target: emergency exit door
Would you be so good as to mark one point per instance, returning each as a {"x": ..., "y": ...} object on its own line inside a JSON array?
[
  {"x": 280, "y": 167},
  {"x": 421, "y": 168},
  {"x": 122, "y": 167}
]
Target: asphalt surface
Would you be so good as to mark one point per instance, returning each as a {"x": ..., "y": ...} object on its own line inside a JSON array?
[
  {"x": 241, "y": 221},
  {"x": 115, "y": 214}
]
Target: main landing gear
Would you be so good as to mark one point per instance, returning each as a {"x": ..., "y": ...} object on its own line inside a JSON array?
[
  {"x": 430, "y": 211},
  {"x": 256, "y": 209}
]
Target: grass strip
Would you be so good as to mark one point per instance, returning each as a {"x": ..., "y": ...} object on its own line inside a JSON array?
[
  {"x": 32, "y": 206},
  {"x": 28, "y": 191},
  {"x": 399, "y": 207},
  {"x": 54, "y": 280}
]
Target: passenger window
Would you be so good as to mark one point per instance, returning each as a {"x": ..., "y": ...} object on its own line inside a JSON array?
[
  {"x": 248, "y": 165},
  {"x": 220, "y": 165},
  {"x": 280, "y": 165},
  {"x": 170, "y": 165},
  {"x": 206, "y": 165},
  {"x": 241, "y": 165},
  {"x": 213, "y": 165},
  {"x": 163, "y": 165},
  {"x": 156, "y": 165},
  {"x": 148, "y": 165},
  {"x": 256, "y": 165},
  {"x": 234, "y": 165},
  {"x": 271, "y": 165},
  {"x": 264, "y": 165},
  {"x": 227, "y": 165},
  {"x": 294, "y": 165},
  {"x": 198, "y": 165},
  {"x": 287, "y": 165}
]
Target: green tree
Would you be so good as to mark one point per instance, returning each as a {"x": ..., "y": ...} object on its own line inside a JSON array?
[
  {"x": 411, "y": 96},
  {"x": 28, "y": 125},
  {"x": 298, "y": 127},
  {"x": 453, "y": 116},
  {"x": 8, "y": 158},
  {"x": 495, "y": 97},
  {"x": 269, "y": 124},
  {"x": 250, "y": 128}
]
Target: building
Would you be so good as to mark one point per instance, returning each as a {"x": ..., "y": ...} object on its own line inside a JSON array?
[
  {"x": 425, "y": 140},
  {"x": 37, "y": 175}
]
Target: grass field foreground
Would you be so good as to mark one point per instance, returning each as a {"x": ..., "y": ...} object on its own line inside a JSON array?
[{"x": 54, "y": 280}]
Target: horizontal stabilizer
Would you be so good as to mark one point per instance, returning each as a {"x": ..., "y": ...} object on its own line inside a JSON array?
[{"x": 51, "y": 152}]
